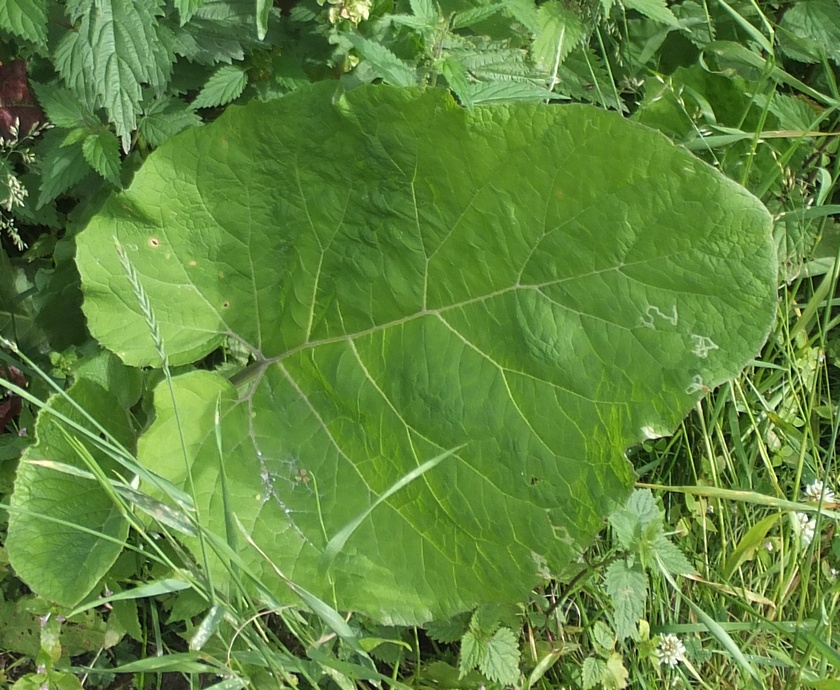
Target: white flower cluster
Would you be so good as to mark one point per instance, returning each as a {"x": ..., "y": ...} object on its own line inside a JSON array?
[
  {"x": 806, "y": 525},
  {"x": 670, "y": 651},
  {"x": 817, "y": 491}
]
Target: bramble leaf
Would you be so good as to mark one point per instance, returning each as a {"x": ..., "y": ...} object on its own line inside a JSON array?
[{"x": 536, "y": 287}]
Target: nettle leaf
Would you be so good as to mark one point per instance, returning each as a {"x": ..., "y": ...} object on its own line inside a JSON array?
[
  {"x": 63, "y": 166},
  {"x": 536, "y": 288},
  {"x": 560, "y": 32},
  {"x": 225, "y": 85},
  {"x": 810, "y": 29},
  {"x": 501, "y": 662},
  {"x": 115, "y": 49},
  {"x": 653, "y": 9},
  {"x": 385, "y": 64},
  {"x": 591, "y": 672},
  {"x": 62, "y": 561},
  {"x": 63, "y": 108},
  {"x": 102, "y": 152},
  {"x": 25, "y": 18},
  {"x": 627, "y": 589},
  {"x": 165, "y": 117}
]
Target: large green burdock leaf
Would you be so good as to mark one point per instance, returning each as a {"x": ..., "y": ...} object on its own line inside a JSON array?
[{"x": 539, "y": 287}]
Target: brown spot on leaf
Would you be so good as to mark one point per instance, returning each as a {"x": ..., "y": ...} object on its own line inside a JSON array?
[{"x": 154, "y": 242}]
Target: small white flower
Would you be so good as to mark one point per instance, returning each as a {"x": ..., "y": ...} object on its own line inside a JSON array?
[
  {"x": 807, "y": 526},
  {"x": 817, "y": 491},
  {"x": 671, "y": 650}
]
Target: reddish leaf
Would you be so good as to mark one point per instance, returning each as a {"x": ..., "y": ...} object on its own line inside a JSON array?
[
  {"x": 16, "y": 100},
  {"x": 10, "y": 404}
]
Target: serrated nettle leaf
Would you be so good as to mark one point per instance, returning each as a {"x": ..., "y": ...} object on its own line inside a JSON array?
[
  {"x": 391, "y": 69},
  {"x": 603, "y": 638},
  {"x": 470, "y": 17},
  {"x": 536, "y": 284},
  {"x": 501, "y": 662},
  {"x": 560, "y": 31},
  {"x": 653, "y": 9},
  {"x": 166, "y": 117},
  {"x": 186, "y": 9},
  {"x": 26, "y": 19},
  {"x": 426, "y": 10},
  {"x": 102, "y": 152},
  {"x": 116, "y": 48},
  {"x": 591, "y": 672},
  {"x": 811, "y": 29},
  {"x": 63, "y": 108},
  {"x": 49, "y": 509},
  {"x": 627, "y": 589},
  {"x": 62, "y": 167},
  {"x": 225, "y": 85},
  {"x": 473, "y": 652},
  {"x": 671, "y": 558}
]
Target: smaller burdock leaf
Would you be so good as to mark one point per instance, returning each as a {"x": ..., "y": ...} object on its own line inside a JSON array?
[
  {"x": 653, "y": 9},
  {"x": 63, "y": 166},
  {"x": 25, "y": 18},
  {"x": 671, "y": 557},
  {"x": 473, "y": 652},
  {"x": 627, "y": 589},
  {"x": 164, "y": 118},
  {"x": 63, "y": 108},
  {"x": 591, "y": 672},
  {"x": 385, "y": 64},
  {"x": 102, "y": 152},
  {"x": 560, "y": 32},
  {"x": 501, "y": 662},
  {"x": 614, "y": 676},
  {"x": 225, "y": 85}
]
